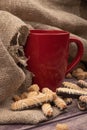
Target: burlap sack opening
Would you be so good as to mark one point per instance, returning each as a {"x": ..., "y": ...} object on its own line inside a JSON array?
[{"x": 13, "y": 33}]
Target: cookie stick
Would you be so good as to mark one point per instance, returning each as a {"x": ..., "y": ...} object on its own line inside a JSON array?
[
  {"x": 70, "y": 93},
  {"x": 59, "y": 102},
  {"x": 47, "y": 109},
  {"x": 71, "y": 85},
  {"x": 82, "y": 103},
  {"x": 31, "y": 102},
  {"x": 82, "y": 83}
]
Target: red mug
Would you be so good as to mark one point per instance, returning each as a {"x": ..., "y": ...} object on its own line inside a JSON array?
[{"x": 48, "y": 52}]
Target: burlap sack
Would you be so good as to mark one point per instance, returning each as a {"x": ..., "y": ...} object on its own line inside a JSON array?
[
  {"x": 9, "y": 27},
  {"x": 13, "y": 33},
  {"x": 32, "y": 116},
  {"x": 11, "y": 76},
  {"x": 14, "y": 77},
  {"x": 67, "y": 15}
]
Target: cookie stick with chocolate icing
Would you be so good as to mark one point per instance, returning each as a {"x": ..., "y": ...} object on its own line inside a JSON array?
[
  {"x": 70, "y": 93},
  {"x": 82, "y": 103},
  {"x": 82, "y": 83}
]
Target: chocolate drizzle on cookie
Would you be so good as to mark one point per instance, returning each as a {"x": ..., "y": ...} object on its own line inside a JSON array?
[
  {"x": 70, "y": 93},
  {"x": 82, "y": 103}
]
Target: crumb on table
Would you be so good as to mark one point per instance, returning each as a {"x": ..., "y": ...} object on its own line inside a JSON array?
[{"x": 62, "y": 126}]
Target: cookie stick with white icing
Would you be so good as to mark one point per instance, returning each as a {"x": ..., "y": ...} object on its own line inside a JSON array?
[
  {"x": 34, "y": 87},
  {"x": 71, "y": 85},
  {"x": 47, "y": 109},
  {"x": 32, "y": 101},
  {"x": 59, "y": 102}
]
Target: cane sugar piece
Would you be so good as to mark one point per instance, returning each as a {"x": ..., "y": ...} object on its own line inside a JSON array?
[{"x": 62, "y": 127}]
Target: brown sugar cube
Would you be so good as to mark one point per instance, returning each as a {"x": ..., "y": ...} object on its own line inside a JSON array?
[
  {"x": 80, "y": 76},
  {"x": 78, "y": 70},
  {"x": 62, "y": 127}
]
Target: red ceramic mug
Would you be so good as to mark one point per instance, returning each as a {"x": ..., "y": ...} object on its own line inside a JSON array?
[{"x": 48, "y": 52}]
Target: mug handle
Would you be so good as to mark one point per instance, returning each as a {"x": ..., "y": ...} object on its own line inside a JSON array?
[{"x": 78, "y": 55}]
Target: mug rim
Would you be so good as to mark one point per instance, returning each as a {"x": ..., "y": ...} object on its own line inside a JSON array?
[{"x": 48, "y": 32}]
